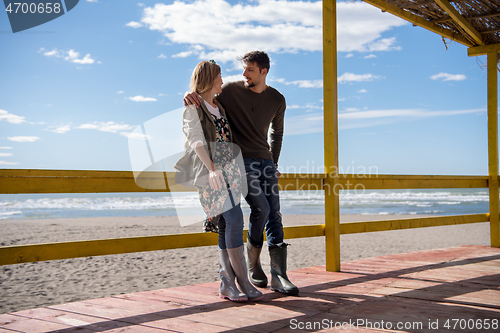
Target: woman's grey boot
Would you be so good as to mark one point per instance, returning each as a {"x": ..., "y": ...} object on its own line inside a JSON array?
[
  {"x": 279, "y": 279},
  {"x": 237, "y": 258},
  {"x": 255, "y": 272},
  {"x": 227, "y": 287}
]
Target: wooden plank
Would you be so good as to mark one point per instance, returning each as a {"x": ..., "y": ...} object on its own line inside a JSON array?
[
  {"x": 417, "y": 20},
  {"x": 300, "y": 184},
  {"x": 372, "y": 226},
  {"x": 54, "y": 251},
  {"x": 369, "y": 182},
  {"x": 460, "y": 20},
  {"x": 90, "y": 181},
  {"x": 304, "y": 231},
  {"x": 493, "y": 148},
  {"x": 330, "y": 127},
  {"x": 66, "y": 250},
  {"x": 483, "y": 50},
  {"x": 79, "y": 181},
  {"x": 338, "y": 297}
]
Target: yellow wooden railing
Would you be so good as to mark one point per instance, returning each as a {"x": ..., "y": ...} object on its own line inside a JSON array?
[
  {"x": 71, "y": 181},
  {"x": 54, "y": 181}
]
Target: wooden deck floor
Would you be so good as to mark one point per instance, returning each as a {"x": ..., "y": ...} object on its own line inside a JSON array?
[{"x": 416, "y": 291}]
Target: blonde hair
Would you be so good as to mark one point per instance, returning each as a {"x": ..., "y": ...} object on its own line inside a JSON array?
[{"x": 204, "y": 75}]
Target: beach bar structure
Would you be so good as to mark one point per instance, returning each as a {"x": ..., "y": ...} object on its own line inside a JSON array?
[{"x": 474, "y": 23}]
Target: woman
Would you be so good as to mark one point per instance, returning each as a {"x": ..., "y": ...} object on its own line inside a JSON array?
[{"x": 218, "y": 179}]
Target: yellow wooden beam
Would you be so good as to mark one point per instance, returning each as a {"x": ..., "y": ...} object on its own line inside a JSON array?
[
  {"x": 304, "y": 231},
  {"x": 74, "y": 181},
  {"x": 370, "y": 182},
  {"x": 300, "y": 184},
  {"x": 14, "y": 181},
  {"x": 55, "y": 251},
  {"x": 385, "y": 225},
  {"x": 77, "y": 181},
  {"x": 417, "y": 20},
  {"x": 493, "y": 147},
  {"x": 65, "y": 250},
  {"x": 460, "y": 20},
  {"x": 332, "y": 211},
  {"x": 483, "y": 50}
]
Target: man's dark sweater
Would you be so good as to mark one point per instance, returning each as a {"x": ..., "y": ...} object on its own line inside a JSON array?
[{"x": 250, "y": 114}]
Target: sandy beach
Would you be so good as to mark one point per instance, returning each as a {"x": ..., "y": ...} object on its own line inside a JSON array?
[{"x": 32, "y": 285}]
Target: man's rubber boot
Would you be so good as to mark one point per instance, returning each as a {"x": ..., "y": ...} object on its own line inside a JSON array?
[
  {"x": 255, "y": 272},
  {"x": 279, "y": 279}
]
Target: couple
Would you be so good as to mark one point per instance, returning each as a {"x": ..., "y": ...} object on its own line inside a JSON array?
[{"x": 240, "y": 112}]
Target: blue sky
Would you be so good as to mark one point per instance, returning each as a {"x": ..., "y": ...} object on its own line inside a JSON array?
[{"x": 73, "y": 89}]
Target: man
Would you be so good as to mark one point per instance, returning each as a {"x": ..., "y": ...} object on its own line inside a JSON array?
[{"x": 251, "y": 107}]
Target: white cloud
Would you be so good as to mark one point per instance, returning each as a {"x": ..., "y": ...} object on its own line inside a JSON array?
[
  {"x": 62, "y": 129},
  {"x": 133, "y": 135},
  {"x": 92, "y": 1},
  {"x": 222, "y": 31},
  {"x": 11, "y": 118},
  {"x": 53, "y": 53},
  {"x": 120, "y": 92},
  {"x": 349, "y": 55},
  {"x": 307, "y": 106},
  {"x": 449, "y": 77},
  {"x": 71, "y": 56},
  {"x": 404, "y": 113},
  {"x": 313, "y": 122},
  {"x": 8, "y": 163},
  {"x": 162, "y": 56},
  {"x": 109, "y": 126},
  {"x": 384, "y": 44},
  {"x": 23, "y": 138},
  {"x": 140, "y": 98},
  {"x": 5, "y": 147},
  {"x": 370, "y": 56},
  {"x": 6, "y": 154},
  {"x": 301, "y": 83},
  {"x": 362, "y": 91},
  {"x": 350, "y": 77},
  {"x": 304, "y": 124},
  {"x": 182, "y": 54},
  {"x": 232, "y": 78},
  {"x": 134, "y": 25}
]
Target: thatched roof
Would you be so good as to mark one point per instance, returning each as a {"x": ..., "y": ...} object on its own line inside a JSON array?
[{"x": 470, "y": 22}]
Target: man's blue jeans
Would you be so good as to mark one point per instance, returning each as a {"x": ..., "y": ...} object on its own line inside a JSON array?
[{"x": 263, "y": 198}]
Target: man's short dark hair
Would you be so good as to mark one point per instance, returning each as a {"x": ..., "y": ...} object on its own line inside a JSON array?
[{"x": 259, "y": 57}]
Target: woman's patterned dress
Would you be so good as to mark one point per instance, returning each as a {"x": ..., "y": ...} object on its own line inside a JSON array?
[{"x": 212, "y": 200}]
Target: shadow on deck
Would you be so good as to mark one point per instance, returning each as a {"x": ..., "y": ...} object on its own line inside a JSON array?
[{"x": 409, "y": 292}]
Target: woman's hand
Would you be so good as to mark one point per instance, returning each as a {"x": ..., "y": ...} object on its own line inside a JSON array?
[{"x": 215, "y": 179}]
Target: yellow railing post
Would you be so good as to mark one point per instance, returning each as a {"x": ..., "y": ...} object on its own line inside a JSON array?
[
  {"x": 332, "y": 215},
  {"x": 493, "y": 147}
]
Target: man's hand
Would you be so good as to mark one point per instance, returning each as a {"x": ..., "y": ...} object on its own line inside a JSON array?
[
  {"x": 190, "y": 97},
  {"x": 278, "y": 174}
]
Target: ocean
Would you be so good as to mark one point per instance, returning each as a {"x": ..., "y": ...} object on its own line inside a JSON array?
[{"x": 376, "y": 202}]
